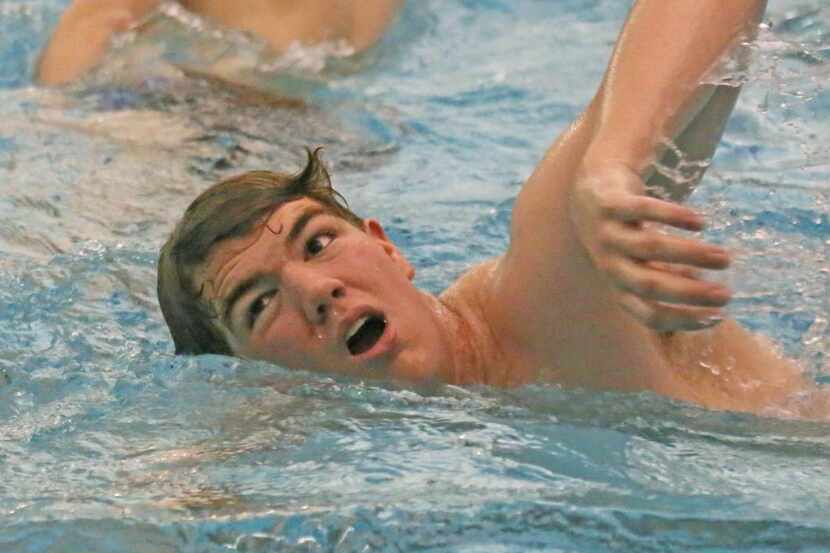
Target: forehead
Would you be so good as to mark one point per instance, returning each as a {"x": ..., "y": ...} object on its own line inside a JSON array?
[{"x": 224, "y": 252}]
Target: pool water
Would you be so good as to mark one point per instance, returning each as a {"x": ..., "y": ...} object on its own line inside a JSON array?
[{"x": 108, "y": 442}]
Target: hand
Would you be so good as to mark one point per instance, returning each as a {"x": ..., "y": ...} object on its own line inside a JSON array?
[{"x": 656, "y": 274}]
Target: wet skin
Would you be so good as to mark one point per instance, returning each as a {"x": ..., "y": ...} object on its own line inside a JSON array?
[
  {"x": 282, "y": 23},
  {"x": 292, "y": 290},
  {"x": 84, "y": 33},
  {"x": 589, "y": 294}
]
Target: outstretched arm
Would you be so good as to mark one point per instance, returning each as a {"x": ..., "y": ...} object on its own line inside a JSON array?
[
  {"x": 585, "y": 238},
  {"x": 654, "y": 273},
  {"x": 83, "y": 36}
]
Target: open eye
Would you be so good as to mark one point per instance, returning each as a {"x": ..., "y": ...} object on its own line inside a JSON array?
[
  {"x": 318, "y": 243},
  {"x": 258, "y": 306}
]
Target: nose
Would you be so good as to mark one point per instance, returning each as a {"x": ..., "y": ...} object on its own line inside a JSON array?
[{"x": 317, "y": 292}]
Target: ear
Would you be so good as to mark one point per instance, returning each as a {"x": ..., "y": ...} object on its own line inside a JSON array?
[{"x": 373, "y": 228}]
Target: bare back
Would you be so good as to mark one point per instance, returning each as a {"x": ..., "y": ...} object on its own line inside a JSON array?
[
  {"x": 284, "y": 22},
  {"x": 84, "y": 33}
]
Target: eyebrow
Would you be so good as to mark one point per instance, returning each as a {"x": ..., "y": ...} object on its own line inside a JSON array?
[
  {"x": 302, "y": 221},
  {"x": 297, "y": 227}
]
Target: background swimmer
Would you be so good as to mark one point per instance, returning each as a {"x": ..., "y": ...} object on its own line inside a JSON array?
[
  {"x": 85, "y": 31},
  {"x": 590, "y": 293}
]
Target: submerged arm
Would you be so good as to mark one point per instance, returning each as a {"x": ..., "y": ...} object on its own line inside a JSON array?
[
  {"x": 83, "y": 37},
  {"x": 683, "y": 163},
  {"x": 641, "y": 105},
  {"x": 652, "y": 89}
]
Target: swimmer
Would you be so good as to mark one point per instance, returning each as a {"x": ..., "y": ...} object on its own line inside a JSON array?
[
  {"x": 85, "y": 30},
  {"x": 590, "y": 293}
]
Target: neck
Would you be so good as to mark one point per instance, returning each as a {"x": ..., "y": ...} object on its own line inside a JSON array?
[{"x": 473, "y": 356}]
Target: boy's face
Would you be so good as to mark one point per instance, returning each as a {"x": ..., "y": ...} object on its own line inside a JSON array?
[{"x": 308, "y": 290}]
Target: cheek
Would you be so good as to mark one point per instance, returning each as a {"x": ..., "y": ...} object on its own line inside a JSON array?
[
  {"x": 371, "y": 262},
  {"x": 283, "y": 353},
  {"x": 280, "y": 343}
]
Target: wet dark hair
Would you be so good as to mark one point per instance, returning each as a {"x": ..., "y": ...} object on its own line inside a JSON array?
[{"x": 229, "y": 209}]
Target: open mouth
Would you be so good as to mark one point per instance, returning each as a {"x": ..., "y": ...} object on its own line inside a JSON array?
[{"x": 365, "y": 333}]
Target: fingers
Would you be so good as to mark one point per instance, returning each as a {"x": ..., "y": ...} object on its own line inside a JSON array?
[
  {"x": 667, "y": 318},
  {"x": 657, "y": 275},
  {"x": 672, "y": 287},
  {"x": 650, "y": 245},
  {"x": 681, "y": 270},
  {"x": 634, "y": 208}
]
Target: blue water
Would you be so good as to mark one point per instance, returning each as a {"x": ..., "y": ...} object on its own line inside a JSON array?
[{"x": 110, "y": 443}]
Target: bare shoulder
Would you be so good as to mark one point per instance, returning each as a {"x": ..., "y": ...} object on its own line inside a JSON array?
[
  {"x": 494, "y": 355},
  {"x": 472, "y": 292}
]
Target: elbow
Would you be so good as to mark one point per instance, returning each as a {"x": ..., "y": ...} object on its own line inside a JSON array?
[
  {"x": 60, "y": 67},
  {"x": 49, "y": 73},
  {"x": 80, "y": 42}
]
